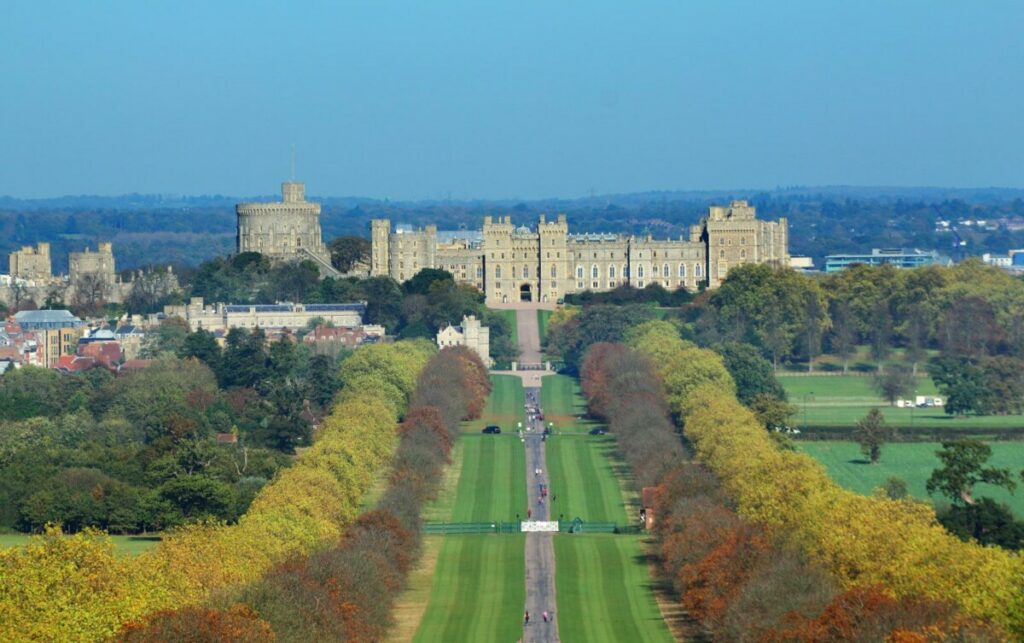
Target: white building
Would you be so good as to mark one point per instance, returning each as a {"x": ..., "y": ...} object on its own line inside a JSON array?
[
  {"x": 470, "y": 334},
  {"x": 225, "y": 316}
]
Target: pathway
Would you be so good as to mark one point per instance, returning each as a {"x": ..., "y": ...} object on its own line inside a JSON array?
[{"x": 540, "y": 547}]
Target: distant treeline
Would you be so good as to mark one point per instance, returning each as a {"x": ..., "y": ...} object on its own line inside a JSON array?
[{"x": 188, "y": 230}]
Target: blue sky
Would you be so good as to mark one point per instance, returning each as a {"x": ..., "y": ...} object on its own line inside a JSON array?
[{"x": 494, "y": 100}]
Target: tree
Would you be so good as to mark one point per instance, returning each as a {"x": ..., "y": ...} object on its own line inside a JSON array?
[
  {"x": 844, "y": 335},
  {"x": 969, "y": 329},
  {"x": 894, "y": 383},
  {"x": 986, "y": 521},
  {"x": 964, "y": 467},
  {"x": 349, "y": 251},
  {"x": 151, "y": 290},
  {"x": 753, "y": 374},
  {"x": 422, "y": 282},
  {"x": 895, "y": 488},
  {"x": 90, "y": 292},
  {"x": 871, "y": 433},
  {"x": 881, "y": 332},
  {"x": 962, "y": 384},
  {"x": 774, "y": 413},
  {"x": 815, "y": 323}
]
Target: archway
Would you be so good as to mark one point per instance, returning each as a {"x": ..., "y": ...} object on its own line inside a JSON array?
[{"x": 525, "y": 294}]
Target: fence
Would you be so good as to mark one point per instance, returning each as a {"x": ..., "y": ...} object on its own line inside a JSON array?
[{"x": 576, "y": 526}]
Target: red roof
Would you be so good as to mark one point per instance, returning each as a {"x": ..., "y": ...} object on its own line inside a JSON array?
[
  {"x": 105, "y": 353},
  {"x": 136, "y": 364},
  {"x": 74, "y": 363}
]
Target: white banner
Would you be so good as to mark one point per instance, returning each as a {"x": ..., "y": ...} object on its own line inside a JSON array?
[{"x": 539, "y": 525}]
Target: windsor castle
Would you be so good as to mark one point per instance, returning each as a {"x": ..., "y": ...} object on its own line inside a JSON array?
[
  {"x": 543, "y": 264},
  {"x": 511, "y": 263}
]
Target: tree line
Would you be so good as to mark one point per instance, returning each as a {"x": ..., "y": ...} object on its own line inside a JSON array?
[{"x": 758, "y": 541}]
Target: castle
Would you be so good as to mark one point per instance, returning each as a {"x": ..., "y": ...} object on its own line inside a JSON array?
[
  {"x": 543, "y": 264},
  {"x": 285, "y": 230}
]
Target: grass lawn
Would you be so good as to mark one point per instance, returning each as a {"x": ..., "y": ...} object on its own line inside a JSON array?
[
  {"x": 476, "y": 583},
  {"x": 842, "y": 400},
  {"x": 542, "y": 323},
  {"x": 492, "y": 485},
  {"x": 504, "y": 405},
  {"x": 583, "y": 479},
  {"x": 914, "y": 462},
  {"x": 562, "y": 403},
  {"x": 478, "y": 590},
  {"x": 604, "y": 590},
  {"x": 124, "y": 545}
]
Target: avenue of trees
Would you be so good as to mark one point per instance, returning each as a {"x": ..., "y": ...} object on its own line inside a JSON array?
[
  {"x": 740, "y": 565},
  {"x": 305, "y": 508}
]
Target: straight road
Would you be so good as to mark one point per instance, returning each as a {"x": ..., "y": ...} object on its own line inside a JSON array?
[{"x": 540, "y": 548}]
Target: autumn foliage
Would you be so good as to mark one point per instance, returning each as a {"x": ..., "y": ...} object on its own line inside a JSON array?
[
  {"x": 199, "y": 625},
  {"x": 760, "y": 543}
]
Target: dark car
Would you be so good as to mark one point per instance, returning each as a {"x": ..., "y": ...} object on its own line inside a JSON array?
[
  {"x": 598, "y": 431},
  {"x": 492, "y": 429}
]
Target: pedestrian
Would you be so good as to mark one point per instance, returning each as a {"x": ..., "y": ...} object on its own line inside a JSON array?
[
  {"x": 545, "y": 615},
  {"x": 529, "y": 513},
  {"x": 526, "y": 618}
]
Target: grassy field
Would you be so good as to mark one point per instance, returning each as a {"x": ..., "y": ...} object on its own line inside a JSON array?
[
  {"x": 914, "y": 462},
  {"x": 604, "y": 590},
  {"x": 504, "y": 405},
  {"x": 562, "y": 403},
  {"x": 603, "y": 584},
  {"x": 478, "y": 590},
  {"x": 124, "y": 545},
  {"x": 842, "y": 400},
  {"x": 542, "y": 323},
  {"x": 473, "y": 587}
]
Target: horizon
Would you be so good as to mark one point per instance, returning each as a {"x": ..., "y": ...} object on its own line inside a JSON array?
[{"x": 479, "y": 102}]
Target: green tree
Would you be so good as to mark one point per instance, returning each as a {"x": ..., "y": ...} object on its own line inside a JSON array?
[
  {"x": 895, "y": 488},
  {"x": 881, "y": 333},
  {"x": 349, "y": 251},
  {"x": 963, "y": 467},
  {"x": 31, "y": 391},
  {"x": 871, "y": 433},
  {"x": 986, "y": 521},
  {"x": 245, "y": 358},
  {"x": 894, "y": 383},
  {"x": 843, "y": 338},
  {"x": 753, "y": 374},
  {"x": 962, "y": 384},
  {"x": 203, "y": 346}
]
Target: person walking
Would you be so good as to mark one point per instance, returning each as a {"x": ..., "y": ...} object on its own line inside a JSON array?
[
  {"x": 545, "y": 615},
  {"x": 526, "y": 618}
]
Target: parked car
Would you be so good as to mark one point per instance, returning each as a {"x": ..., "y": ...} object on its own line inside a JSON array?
[
  {"x": 492, "y": 429},
  {"x": 600, "y": 430}
]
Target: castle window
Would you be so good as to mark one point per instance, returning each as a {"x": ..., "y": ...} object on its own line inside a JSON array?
[
  {"x": 594, "y": 272},
  {"x": 579, "y": 273},
  {"x": 479, "y": 272},
  {"x": 526, "y": 272},
  {"x": 743, "y": 241},
  {"x": 682, "y": 271},
  {"x": 665, "y": 271},
  {"x": 298, "y": 241},
  {"x": 696, "y": 270},
  {"x": 625, "y": 271},
  {"x": 743, "y": 254},
  {"x": 554, "y": 272},
  {"x": 721, "y": 254},
  {"x": 640, "y": 274},
  {"x": 611, "y": 272},
  {"x": 595, "y": 285},
  {"x": 497, "y": 272}
]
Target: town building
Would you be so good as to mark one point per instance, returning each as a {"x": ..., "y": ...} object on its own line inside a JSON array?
[
  {"x": 285, "y": 230},
  {"x": 470, "y": 334},
  {"x": 544, "y": 263},
  {"x": 225, "y": 316},
  {"x": 900, "y": 258},
  {"x": 57, "y": 332}
]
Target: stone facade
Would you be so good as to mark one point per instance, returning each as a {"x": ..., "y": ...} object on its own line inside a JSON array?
[
  {"x": 99, "y": 263},
  {"x": 286, "y": 230},
  {"x": 470, "y": 334},
  {"x": 32, "y": 264},
  {"x": 545, "y": 263},
  {"x": 226, "y": 316}
]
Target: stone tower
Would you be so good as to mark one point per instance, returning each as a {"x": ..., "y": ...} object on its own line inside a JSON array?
[
  {"x": 735, "y": 236},
  {"x": 286, "y": 230},
  {"x": 555, "y": 264}
]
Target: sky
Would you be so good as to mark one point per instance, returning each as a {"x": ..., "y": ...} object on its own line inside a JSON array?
[{"x": 444, "y": 99}]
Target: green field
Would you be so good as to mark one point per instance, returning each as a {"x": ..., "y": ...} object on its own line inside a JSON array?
[
  {"x": 914, "y": 462},
  {"x": 583, "y": 480},
  {"x": 124, "y": 545},
  {"x": 604, "y": 590},
  {"x": 542, "y": 324},
  {"x": 842, "y": 400},
  {"x": 562, "y": 403},
  {"x": 478, "y": 589},
  {"x": 504, "y": 405}
]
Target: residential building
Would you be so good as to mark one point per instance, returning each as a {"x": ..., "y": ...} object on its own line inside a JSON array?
[
  {"x": 57, "y": 332},
  {"x": 471, "y": 334},
  {"x": 286, "y": 315}
]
